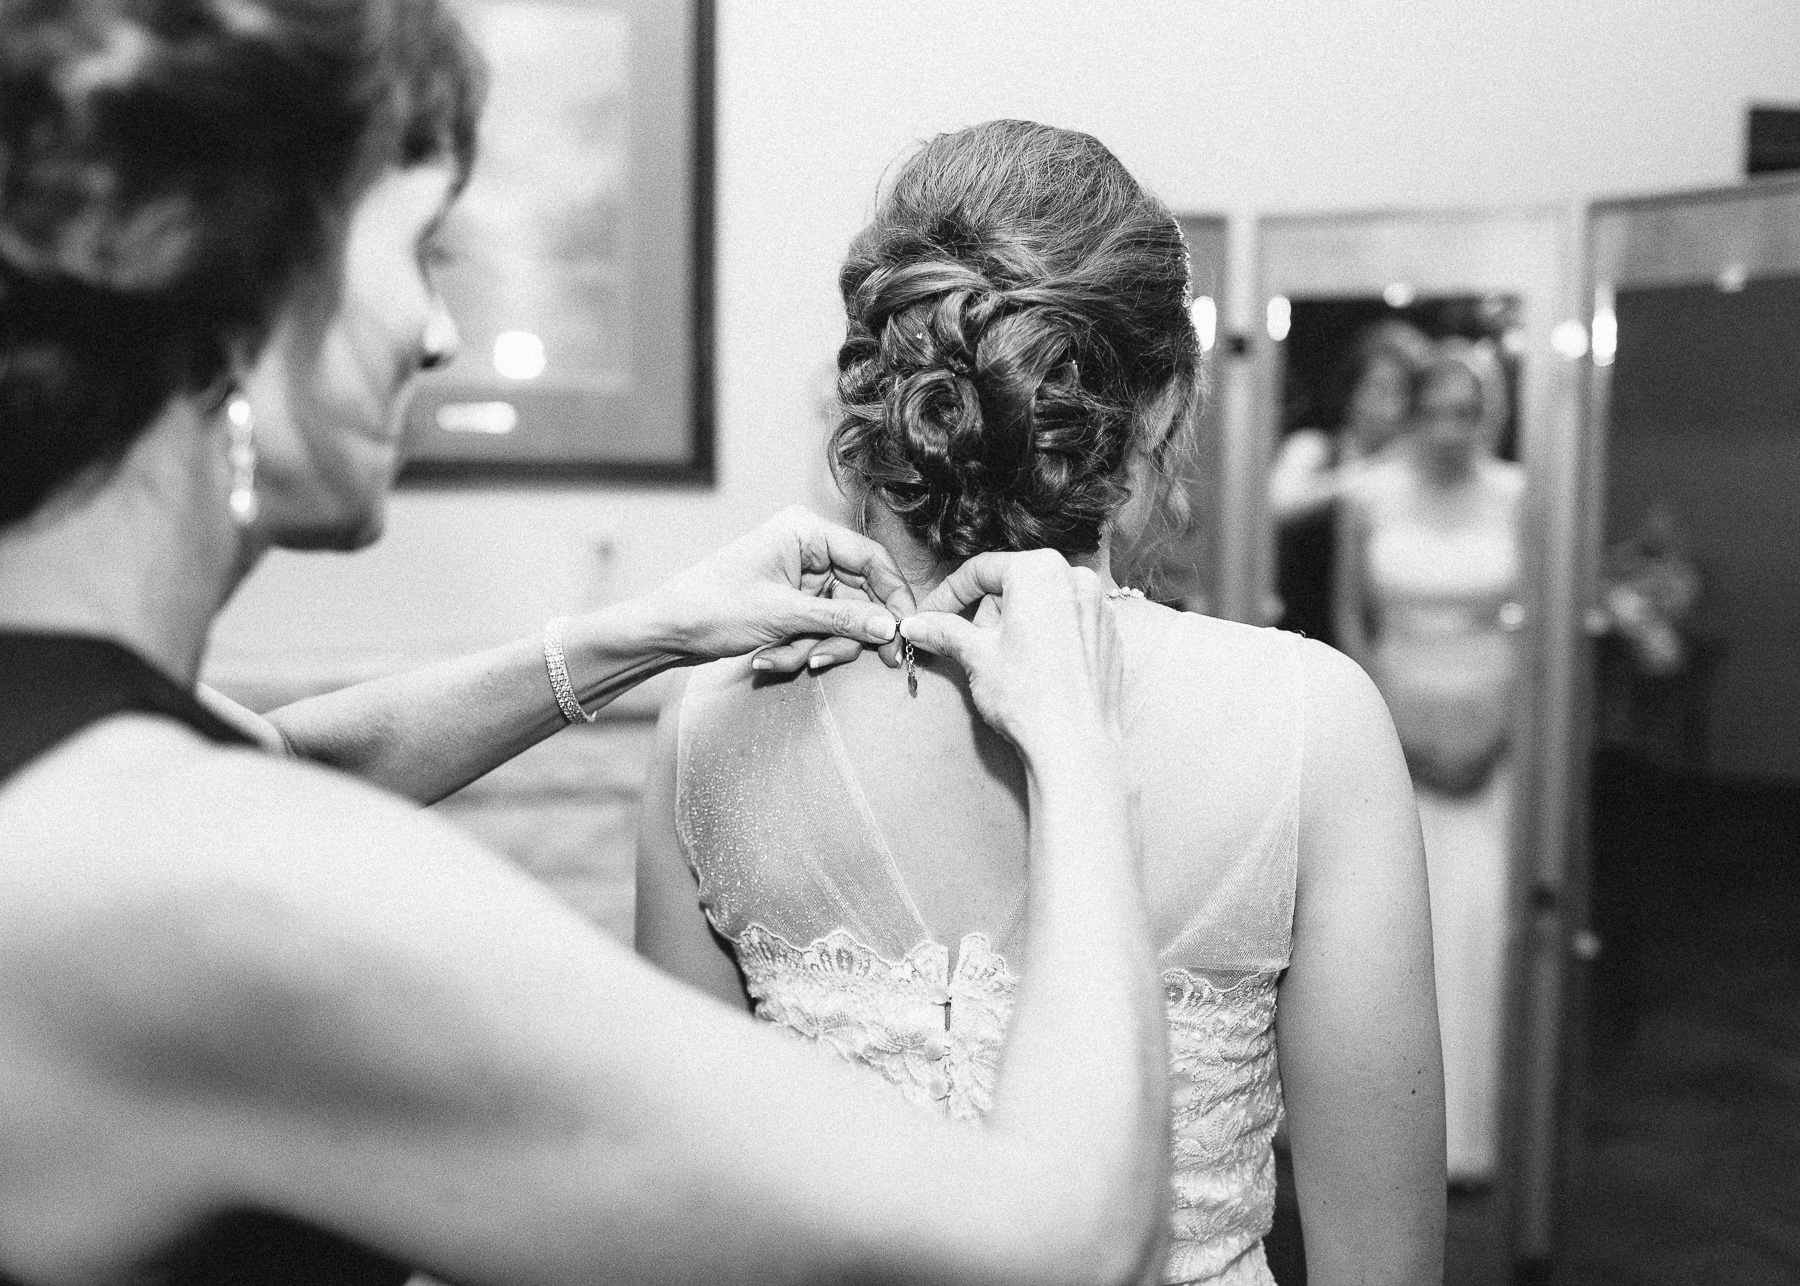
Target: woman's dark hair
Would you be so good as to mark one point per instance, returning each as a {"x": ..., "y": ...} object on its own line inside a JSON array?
[
  {"x": 169, "y": 170},
  {"x": 1017, "y": 325}
]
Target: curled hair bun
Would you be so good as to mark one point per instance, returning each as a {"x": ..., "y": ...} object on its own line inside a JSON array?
[{"x": 1014, "y": 309}]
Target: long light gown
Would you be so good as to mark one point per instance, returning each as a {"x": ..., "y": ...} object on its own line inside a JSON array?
[
  {"x": 1446, "y": 667},
  {"x": 795, "y": 873}
]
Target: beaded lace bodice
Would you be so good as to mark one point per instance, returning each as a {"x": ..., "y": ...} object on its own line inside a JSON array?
[{"x": 796, "y": 875}]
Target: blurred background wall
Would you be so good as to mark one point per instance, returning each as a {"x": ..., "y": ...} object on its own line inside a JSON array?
[{"x": 1232, "y": 106}]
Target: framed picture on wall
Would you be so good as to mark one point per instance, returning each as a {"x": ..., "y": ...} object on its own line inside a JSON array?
[{"x": 579, "y": 266}]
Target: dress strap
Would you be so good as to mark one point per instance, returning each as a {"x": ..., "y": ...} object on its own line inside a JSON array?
[{"x": 54, "y": 685}]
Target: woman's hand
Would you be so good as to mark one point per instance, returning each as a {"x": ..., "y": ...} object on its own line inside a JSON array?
[
  {"x": 804, "y": 590},
  {"x": 1042, "y": 653}
]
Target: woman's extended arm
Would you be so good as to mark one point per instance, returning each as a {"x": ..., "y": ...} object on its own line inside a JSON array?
[
  {"x": 1356, "y": 1022},
  {"x": 428, "y": 732}
]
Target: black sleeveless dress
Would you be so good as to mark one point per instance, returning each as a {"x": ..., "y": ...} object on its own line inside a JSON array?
[{"x": 51, "y": 687}]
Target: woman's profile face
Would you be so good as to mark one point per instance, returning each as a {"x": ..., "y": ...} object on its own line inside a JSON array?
[{"x": 327, "y": 391}]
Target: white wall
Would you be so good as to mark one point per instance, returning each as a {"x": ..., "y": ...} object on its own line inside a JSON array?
[{"x": 1237, "y": 106}]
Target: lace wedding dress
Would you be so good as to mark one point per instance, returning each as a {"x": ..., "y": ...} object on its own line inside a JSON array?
[{"x": 794, "y": 871}]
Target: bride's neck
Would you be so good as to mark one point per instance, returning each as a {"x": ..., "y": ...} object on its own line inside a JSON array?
[
  {"x": 147, "y": 556},
  {"x": 923, "y": 571}
]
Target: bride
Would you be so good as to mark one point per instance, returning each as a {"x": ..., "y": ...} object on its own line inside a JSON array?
[{"x": 846, "y": 852}]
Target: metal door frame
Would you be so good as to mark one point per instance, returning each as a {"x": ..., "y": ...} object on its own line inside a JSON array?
[{"x": 1684, "y": 238}]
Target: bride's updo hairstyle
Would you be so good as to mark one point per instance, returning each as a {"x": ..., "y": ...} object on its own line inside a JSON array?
[
  {"x": 1018, "y": 325},
  {"x": 170, "y": 170}
]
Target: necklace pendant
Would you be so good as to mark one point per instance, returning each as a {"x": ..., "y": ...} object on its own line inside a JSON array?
[{"x": 912, "y": 669}]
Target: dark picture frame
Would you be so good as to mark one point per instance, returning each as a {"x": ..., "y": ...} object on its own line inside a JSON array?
[{"x": 581, "y": 254}]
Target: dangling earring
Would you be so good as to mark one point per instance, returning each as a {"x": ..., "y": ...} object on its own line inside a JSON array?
[{"x": 243, "y": 462}]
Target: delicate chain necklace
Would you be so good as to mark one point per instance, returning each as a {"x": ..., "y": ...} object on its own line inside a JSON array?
[{"x": 1125, "y": 591}]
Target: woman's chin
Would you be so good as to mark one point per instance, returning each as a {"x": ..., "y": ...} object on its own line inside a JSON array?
[{"x": 342, "y": 529}]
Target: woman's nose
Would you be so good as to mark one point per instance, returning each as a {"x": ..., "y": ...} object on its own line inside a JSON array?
[{"x": 442, "y": 340}]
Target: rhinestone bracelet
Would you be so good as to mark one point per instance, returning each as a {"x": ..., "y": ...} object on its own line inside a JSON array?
[{"x": 559, "y": 674}]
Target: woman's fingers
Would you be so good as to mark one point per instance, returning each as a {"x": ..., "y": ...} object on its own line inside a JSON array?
[
  {"x": 843, "y": 650},
  {"x": 849, "y": 616},
  {"x": 785, "y": 658},
  {"x": 833, "y": 651},
  {"x": 976, "y": 579},
  {"x": 944, "y": 633},
  {"x": 853, "y": 559}
]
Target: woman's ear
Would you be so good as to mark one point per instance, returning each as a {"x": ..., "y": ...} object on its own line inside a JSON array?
[{"x": 1145, "y": 484}]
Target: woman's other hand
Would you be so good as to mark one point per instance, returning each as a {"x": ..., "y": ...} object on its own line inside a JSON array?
[
  {"x": 804, "y": 590},
  {"x": 1042, "y": 653}
]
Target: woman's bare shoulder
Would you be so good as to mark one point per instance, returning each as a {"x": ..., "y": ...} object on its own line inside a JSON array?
[
  {"x": 1351, "y": 750},
  {"x": 1208, "y": 677},
  {"x": 1193, "y": 640},
  {"x": 267, "y": 943},
  {"x": 199, "y": 883},
  {"x": 148, "y": 795}
]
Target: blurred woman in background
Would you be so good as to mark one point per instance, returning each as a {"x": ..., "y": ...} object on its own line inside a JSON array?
[
  {"x": 263, "y": 1023},
  {"x": 847, "y": 852},
  {"x": 1427, "y": 601},
  {"x": 1314, "y": 466}
]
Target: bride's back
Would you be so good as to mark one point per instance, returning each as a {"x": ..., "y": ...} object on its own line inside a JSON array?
[
  {"x": 1018, "y": 360},
  {"x": 839, "y": 801}
]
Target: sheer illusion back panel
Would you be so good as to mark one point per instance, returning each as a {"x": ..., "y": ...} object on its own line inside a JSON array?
[
  {"x": 774, "y": 830},
  {"x": 1214, "y": 731},
  {"x": 794, "y": 868},
  {"x": 780, "y": 835}
]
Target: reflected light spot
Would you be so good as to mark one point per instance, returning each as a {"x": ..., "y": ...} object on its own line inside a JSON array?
[
  {"x": 1606, "y": 335},
  {"x": 1569, "y": 339},
  {"x": 1206, "y": 321},
  {"x": 1281, "y": 318},
  {"x": 477, "y": 417},
  {"x": 1399, "y": 295},
  {"x": 519, "y": 355},
  {"x": 1732, "y": 278}
]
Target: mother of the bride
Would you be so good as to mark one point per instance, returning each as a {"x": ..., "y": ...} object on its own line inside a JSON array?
[{"x": 263, "y": 1022}]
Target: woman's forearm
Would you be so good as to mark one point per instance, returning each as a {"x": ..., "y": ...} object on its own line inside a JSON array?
[
  {"x": 1083, "y": 1076},
  {"x": 428, "y": 732}
]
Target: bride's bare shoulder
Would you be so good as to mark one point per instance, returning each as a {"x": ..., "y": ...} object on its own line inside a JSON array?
[{"x": 1193, "y": 642}]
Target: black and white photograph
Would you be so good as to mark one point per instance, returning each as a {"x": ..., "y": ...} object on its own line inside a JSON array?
[{"x": 1005, "y": 643}]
